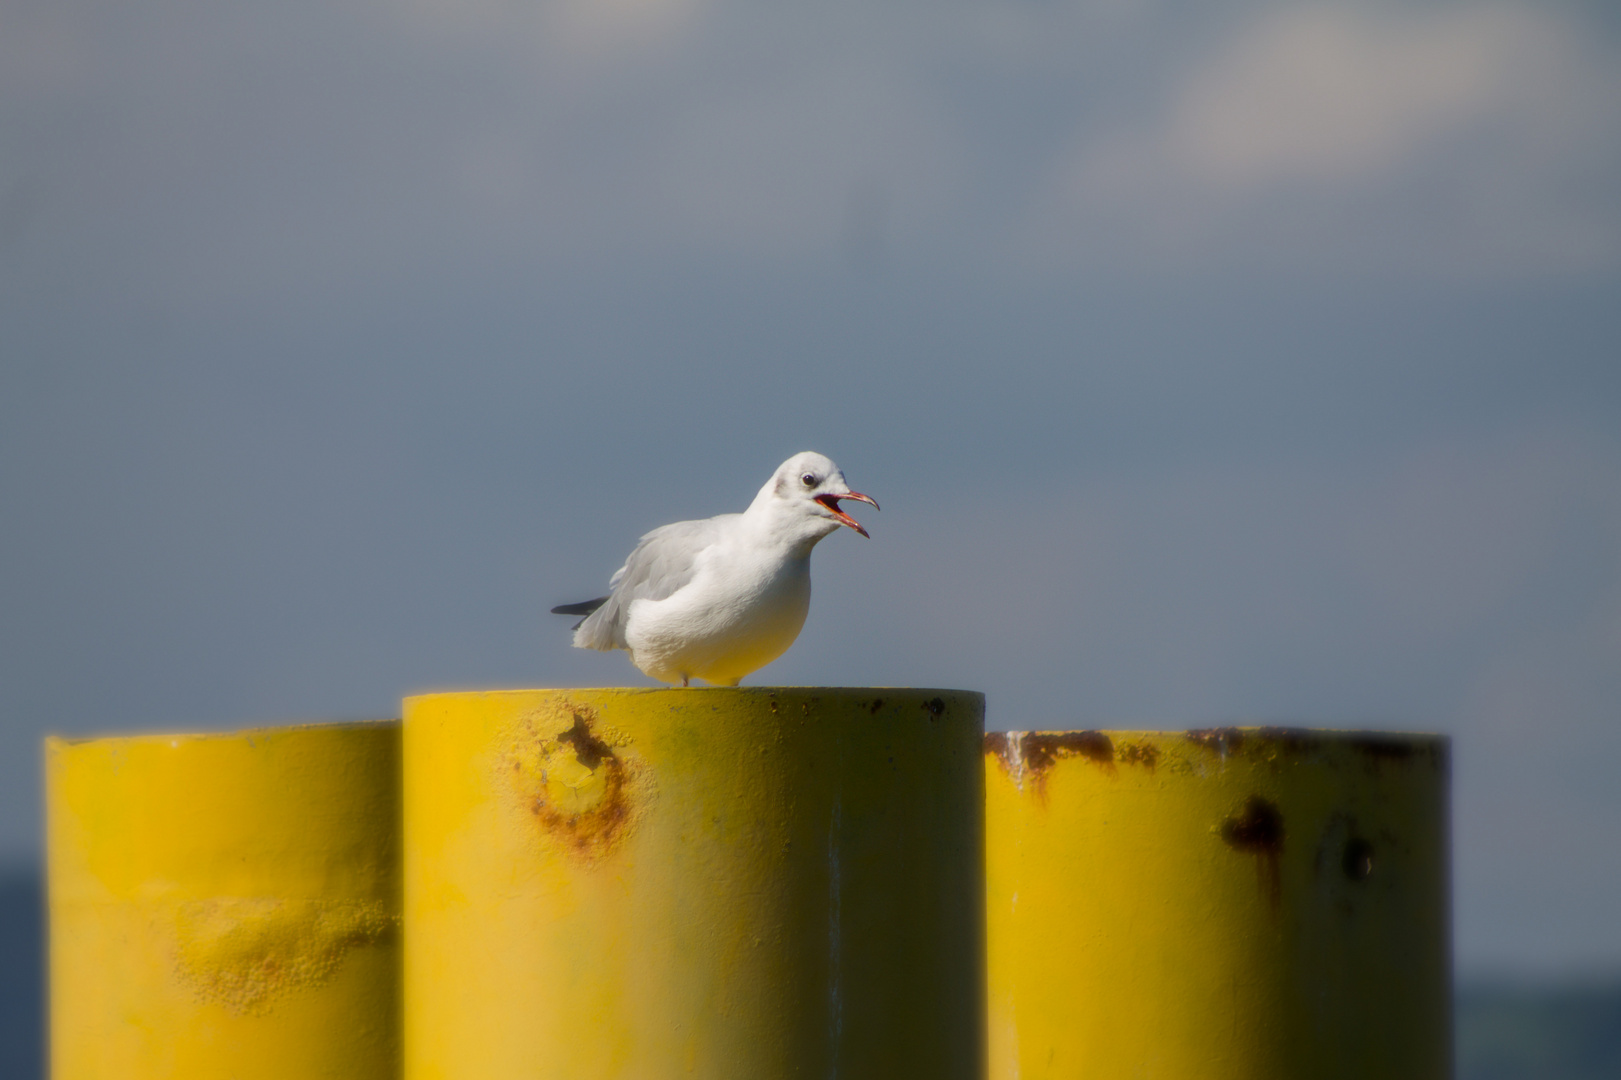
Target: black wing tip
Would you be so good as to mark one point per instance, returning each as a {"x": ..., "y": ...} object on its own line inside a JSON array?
[{"x": 584, "y": 607}]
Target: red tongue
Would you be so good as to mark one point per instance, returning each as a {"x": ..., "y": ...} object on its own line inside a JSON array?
[{"x": 832, "y": 503}]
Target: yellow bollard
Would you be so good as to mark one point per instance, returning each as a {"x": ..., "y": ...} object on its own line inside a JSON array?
[
  {"x": 225, "y": 905},
  {"x": 1234, "y": 904},
  {"x": 731, "y": 884}
]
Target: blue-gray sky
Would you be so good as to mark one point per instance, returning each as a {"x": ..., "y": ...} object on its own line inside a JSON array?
[{"x": 1259, "y": 363}]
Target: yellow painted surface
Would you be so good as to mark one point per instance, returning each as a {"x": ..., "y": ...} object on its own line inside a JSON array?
[
  {"x": 225, "y": 906},
  {"x": 734, "y": 884},
  {"x": 1244, "y": 904}
]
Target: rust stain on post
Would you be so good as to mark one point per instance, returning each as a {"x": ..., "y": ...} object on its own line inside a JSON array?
[
  {"x": 582, "y": 792},
  {"x": 1031, "y": 754},
  {"x": 1000, "y": 744},
  {"x": 1225, "y": 740},
  {"x": 1145, "y": 754},
  {"x": 1042, "y": 751},
  {"x": 1258, "y": 830},
  {"x": 1281, "y": 744}
]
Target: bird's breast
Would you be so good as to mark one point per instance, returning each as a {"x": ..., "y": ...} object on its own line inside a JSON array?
[{"x": 737, "y": 615}]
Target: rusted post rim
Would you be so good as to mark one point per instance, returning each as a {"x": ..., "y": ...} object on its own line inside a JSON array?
[{"x": 1039, "y": 749}]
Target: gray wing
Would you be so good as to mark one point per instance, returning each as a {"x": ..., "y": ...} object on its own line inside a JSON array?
[{"x": 663, "y": 562}]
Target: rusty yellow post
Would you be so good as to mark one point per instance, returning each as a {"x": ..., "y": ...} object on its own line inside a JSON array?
[
  {"x": 225, "y": 905},
  {"x": 1236, "y": 904},
  {"x": 724, "y": 883}
]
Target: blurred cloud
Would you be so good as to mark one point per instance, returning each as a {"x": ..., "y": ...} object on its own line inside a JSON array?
[
  {"x": 1455, "y": 140},
  {"x": 601, "y": 32},
  {"x": 207, "y": 151},
  {"x": 1343, "y": 94}
]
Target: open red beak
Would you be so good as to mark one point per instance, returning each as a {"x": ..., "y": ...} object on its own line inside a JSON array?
[{"x": 832, "y": 504}]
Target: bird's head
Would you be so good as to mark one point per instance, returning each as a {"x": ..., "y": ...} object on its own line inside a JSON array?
[{"x": 809, "y": 484}]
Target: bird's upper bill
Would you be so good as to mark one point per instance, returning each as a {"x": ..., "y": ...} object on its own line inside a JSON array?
[{"x": 831, "y": 501}]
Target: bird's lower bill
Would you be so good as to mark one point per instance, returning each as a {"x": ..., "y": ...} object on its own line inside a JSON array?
[{"x": 832, "y": 504}]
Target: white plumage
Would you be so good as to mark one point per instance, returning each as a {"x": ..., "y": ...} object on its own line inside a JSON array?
[{"x": 718, "y": 598}]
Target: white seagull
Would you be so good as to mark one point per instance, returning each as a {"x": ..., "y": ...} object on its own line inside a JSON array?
[{"x": 719, "y": 598}]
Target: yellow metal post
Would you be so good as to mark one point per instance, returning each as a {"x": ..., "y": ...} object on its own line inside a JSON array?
[
  {"x": 733, "y": 884},
  {"x": 1234, "y": 904},
  {"x": 225, "y": 905}
]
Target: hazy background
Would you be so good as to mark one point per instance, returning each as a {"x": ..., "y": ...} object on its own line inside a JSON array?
[{"x": 1255, "y": 364}]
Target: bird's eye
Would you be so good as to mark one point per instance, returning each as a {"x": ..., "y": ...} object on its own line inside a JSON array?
[{"x": 809, "y": 479}]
